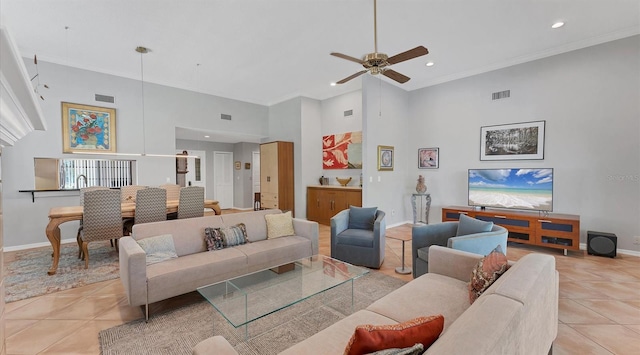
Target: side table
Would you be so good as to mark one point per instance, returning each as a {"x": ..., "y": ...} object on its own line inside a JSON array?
[
  {"x": 425, "y": 205},
  {"x": 404, "y": 238}
]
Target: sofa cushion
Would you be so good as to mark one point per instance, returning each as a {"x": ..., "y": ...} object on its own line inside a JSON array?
[
  {"x": 423, "y": 253},
  {"x": 254, "y": 221},
  {"x": 279, "y": 225},
  {"x": 426, "y": 295},
  {"x": 273, "y": 252},
  {"x": 158, "y": 248},
  {"x": 362, "y": 217},
  {"x": 468, "y": 225},
  {"x": 356, "y": 237},
  {"x": 333, "y": 339},
  {"x": 486, "y": 272},
  {"x": 369, "y": 338}
]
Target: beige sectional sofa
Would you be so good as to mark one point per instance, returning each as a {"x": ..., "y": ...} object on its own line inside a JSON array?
[
  {"x": 195, "y": 266},
  {"x": 518, "y": 314}
]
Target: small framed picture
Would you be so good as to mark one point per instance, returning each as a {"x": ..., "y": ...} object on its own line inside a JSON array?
[
  {"x": 237, "y": 165},
  {"x": 247, "y": 166},
  {"x": 385, "y": 157},
  {"x": 428, "y": 158}
]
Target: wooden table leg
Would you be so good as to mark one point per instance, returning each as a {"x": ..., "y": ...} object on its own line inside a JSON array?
[{"x": 53, "y": 234}]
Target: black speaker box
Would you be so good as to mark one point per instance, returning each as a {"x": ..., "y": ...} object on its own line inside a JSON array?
[{"x": 602, "y": 244}]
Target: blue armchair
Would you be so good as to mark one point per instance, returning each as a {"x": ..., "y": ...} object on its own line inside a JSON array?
[
  {"x": 364, "y": 247},
  {"x": 444, "y": 234}
]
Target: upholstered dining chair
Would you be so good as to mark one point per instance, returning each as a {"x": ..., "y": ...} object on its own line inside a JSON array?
[
  {"x": 173, "y": 191},
  {"x": 468, "y": 234},
  {"x": 102, "y": 219},
  {"x": 151, "y": 206},
  {"x": 191, "y": 202},
  {"x": 82, "y": 192},
  {"x": 358, "y": 236}
]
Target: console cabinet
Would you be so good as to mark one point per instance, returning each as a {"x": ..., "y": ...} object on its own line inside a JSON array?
[
  {"x": 276, "y": 176},
  {"x": 554, "y": 230},
  {"x": 323, "y": 202}
]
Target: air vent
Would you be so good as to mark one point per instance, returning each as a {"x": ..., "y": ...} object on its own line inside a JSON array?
[
  {"x": 501, "y": 95},
  {"x": 105, "y": 98},
  {"x": 225, "y": 117},
  {"x": 348, "y": 113}
]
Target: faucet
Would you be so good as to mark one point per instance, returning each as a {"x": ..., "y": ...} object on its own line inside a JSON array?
[{"x": 78, "y": 180}]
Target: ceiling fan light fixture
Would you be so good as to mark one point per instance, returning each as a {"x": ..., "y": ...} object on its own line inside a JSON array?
[
  {"x": 557, "y": 25},
  {"x": 430, "y": 64},
  {"x": 333, "y": 84}
]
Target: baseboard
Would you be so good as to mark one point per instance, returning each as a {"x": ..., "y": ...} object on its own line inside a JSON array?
[{"x": 38, "y": 245}]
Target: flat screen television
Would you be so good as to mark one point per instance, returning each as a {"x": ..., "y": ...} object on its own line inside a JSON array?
[{"x": 523, "y": 189}]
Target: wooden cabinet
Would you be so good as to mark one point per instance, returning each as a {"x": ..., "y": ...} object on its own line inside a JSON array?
[
  {"x": 276, "y": 176},
  {"x": 554, "y": 230},
  {"x": 323, "y": 202}
]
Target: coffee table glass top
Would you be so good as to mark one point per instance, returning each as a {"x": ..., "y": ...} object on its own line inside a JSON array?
[{"x": 246, "y": 298}]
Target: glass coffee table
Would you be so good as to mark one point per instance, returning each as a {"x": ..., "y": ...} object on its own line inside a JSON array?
[{"x": 247, "y": 298}]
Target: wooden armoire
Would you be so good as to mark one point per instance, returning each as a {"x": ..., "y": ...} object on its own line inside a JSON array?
[{"x": 276, "y": 176}]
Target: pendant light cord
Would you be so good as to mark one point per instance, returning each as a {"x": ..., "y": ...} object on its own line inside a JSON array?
[{"x": 144, "y": 145}]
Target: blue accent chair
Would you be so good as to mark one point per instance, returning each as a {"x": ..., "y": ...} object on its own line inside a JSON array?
[
  {"x": 444, "y": 234},
  {"x": 363, "y": 247}
]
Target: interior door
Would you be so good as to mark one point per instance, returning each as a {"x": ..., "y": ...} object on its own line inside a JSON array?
[
  {"x": 255, "y": 174},
  {"x": 196, "y": 167},
  {"x": 223, "y": 178}
]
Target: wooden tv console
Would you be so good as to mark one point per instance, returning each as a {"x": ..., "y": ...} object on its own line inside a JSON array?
[{"x": 554, "y": 230}]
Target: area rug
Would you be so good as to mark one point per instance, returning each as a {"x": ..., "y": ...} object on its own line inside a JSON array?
[
  {"x": 26, "y": 276},
  {"x": 179, "y": 330}
]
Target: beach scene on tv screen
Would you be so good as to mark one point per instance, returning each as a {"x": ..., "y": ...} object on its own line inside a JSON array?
[{"x": 512, "y": 188}]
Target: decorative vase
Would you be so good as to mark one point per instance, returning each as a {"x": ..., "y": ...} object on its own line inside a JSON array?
[{"x": 421, "y": 187}]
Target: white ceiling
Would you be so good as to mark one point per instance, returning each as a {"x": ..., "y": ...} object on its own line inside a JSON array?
[{"x": 267, "y": 51}]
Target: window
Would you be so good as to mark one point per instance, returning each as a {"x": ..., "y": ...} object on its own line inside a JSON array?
[{"x": 77, "y": 173}]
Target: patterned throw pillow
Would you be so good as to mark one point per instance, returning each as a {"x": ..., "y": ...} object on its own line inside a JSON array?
[
  {"x": 220, "y": 238},
  {"x": 414, "y": 350},
  {"x": 158, "y": 248},
  {"x": 370, "y": 338},
  {"x": 279, "y": 225},
  {"x": 486, "y": 272}
]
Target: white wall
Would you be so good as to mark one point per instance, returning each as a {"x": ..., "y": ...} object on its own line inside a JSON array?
[
  {"x": 311, "y": 150},
  {"x": 385, "y": 112},
  {"x": 589, "y": 100},
  {"x": 334, "y": 122},
  {"x": 165, "y": 108}
]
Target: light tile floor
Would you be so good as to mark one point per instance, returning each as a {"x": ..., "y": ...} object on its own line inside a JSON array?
[{"x": 599, "y": 308}]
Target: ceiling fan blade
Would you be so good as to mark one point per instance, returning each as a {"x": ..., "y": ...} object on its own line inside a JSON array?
[
  {"x": 352, "y": 76},
  {"x": 344, "y": 56},
  {"x": 392, "y": 74},
  {"x": 410, "y": 54}
]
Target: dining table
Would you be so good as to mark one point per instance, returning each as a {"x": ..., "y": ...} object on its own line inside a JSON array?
[{"x": 59, "y": 215}]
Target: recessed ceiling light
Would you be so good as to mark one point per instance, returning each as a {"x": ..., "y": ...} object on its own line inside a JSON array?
[
  {"x": 207, "y": 136},
  {"x": 557, "y": 24},
  {"x": 430, "y": 64},
  {"x": 333, "y": 84}
]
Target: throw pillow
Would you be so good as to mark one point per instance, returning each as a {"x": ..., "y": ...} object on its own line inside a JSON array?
[
  {"x": 220, "y": 238},
  {"x": 279, "y": 225},
  {"x": 362, "y": 217},
  {"x": 468, "y": 225},
  {"x": 417, "y": 349},
  {"x": 158, "y": 248},
  {"x": 486, "y": 272},
  {"x": 370, "y": 338}
]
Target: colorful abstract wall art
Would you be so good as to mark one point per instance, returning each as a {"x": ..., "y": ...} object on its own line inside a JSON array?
[{"x": 342, "y": 151}]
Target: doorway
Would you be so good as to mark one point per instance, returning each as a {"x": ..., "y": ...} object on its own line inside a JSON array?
[
  {"x": 255, "y": 175},
  {"x": 196, "y": 169},
  {"x": 223, "y": 178}
]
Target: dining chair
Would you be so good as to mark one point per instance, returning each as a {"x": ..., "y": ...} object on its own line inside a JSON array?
[
  {"x": 191, "y": 202},
  {"x": 151, "y": 206},
  {"x": 82, "y": 192},
  {"x": 102, "y": 219},
  {"x": 173, "y": 194}
]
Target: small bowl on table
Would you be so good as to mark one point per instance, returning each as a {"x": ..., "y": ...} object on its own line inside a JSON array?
[{"x": 343, "y": 181}]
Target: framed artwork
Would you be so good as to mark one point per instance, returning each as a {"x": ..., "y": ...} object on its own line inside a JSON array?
[
  {"x": 428, "y": 158},
  {"x": 88, "y": 128},
  {"x": 237, "y": 165},
  {"x": 342, "y": 151},
  {"x": 385, "y": 157},
  {"x": 247, "y": 166},
  {"x": 518, "y": 141}
]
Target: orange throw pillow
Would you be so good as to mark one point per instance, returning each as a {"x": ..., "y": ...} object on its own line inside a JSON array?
[{"x": 370, "y": 338}]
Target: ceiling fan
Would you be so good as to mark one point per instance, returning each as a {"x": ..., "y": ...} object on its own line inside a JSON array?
[{"x": 377, "y": 63}]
